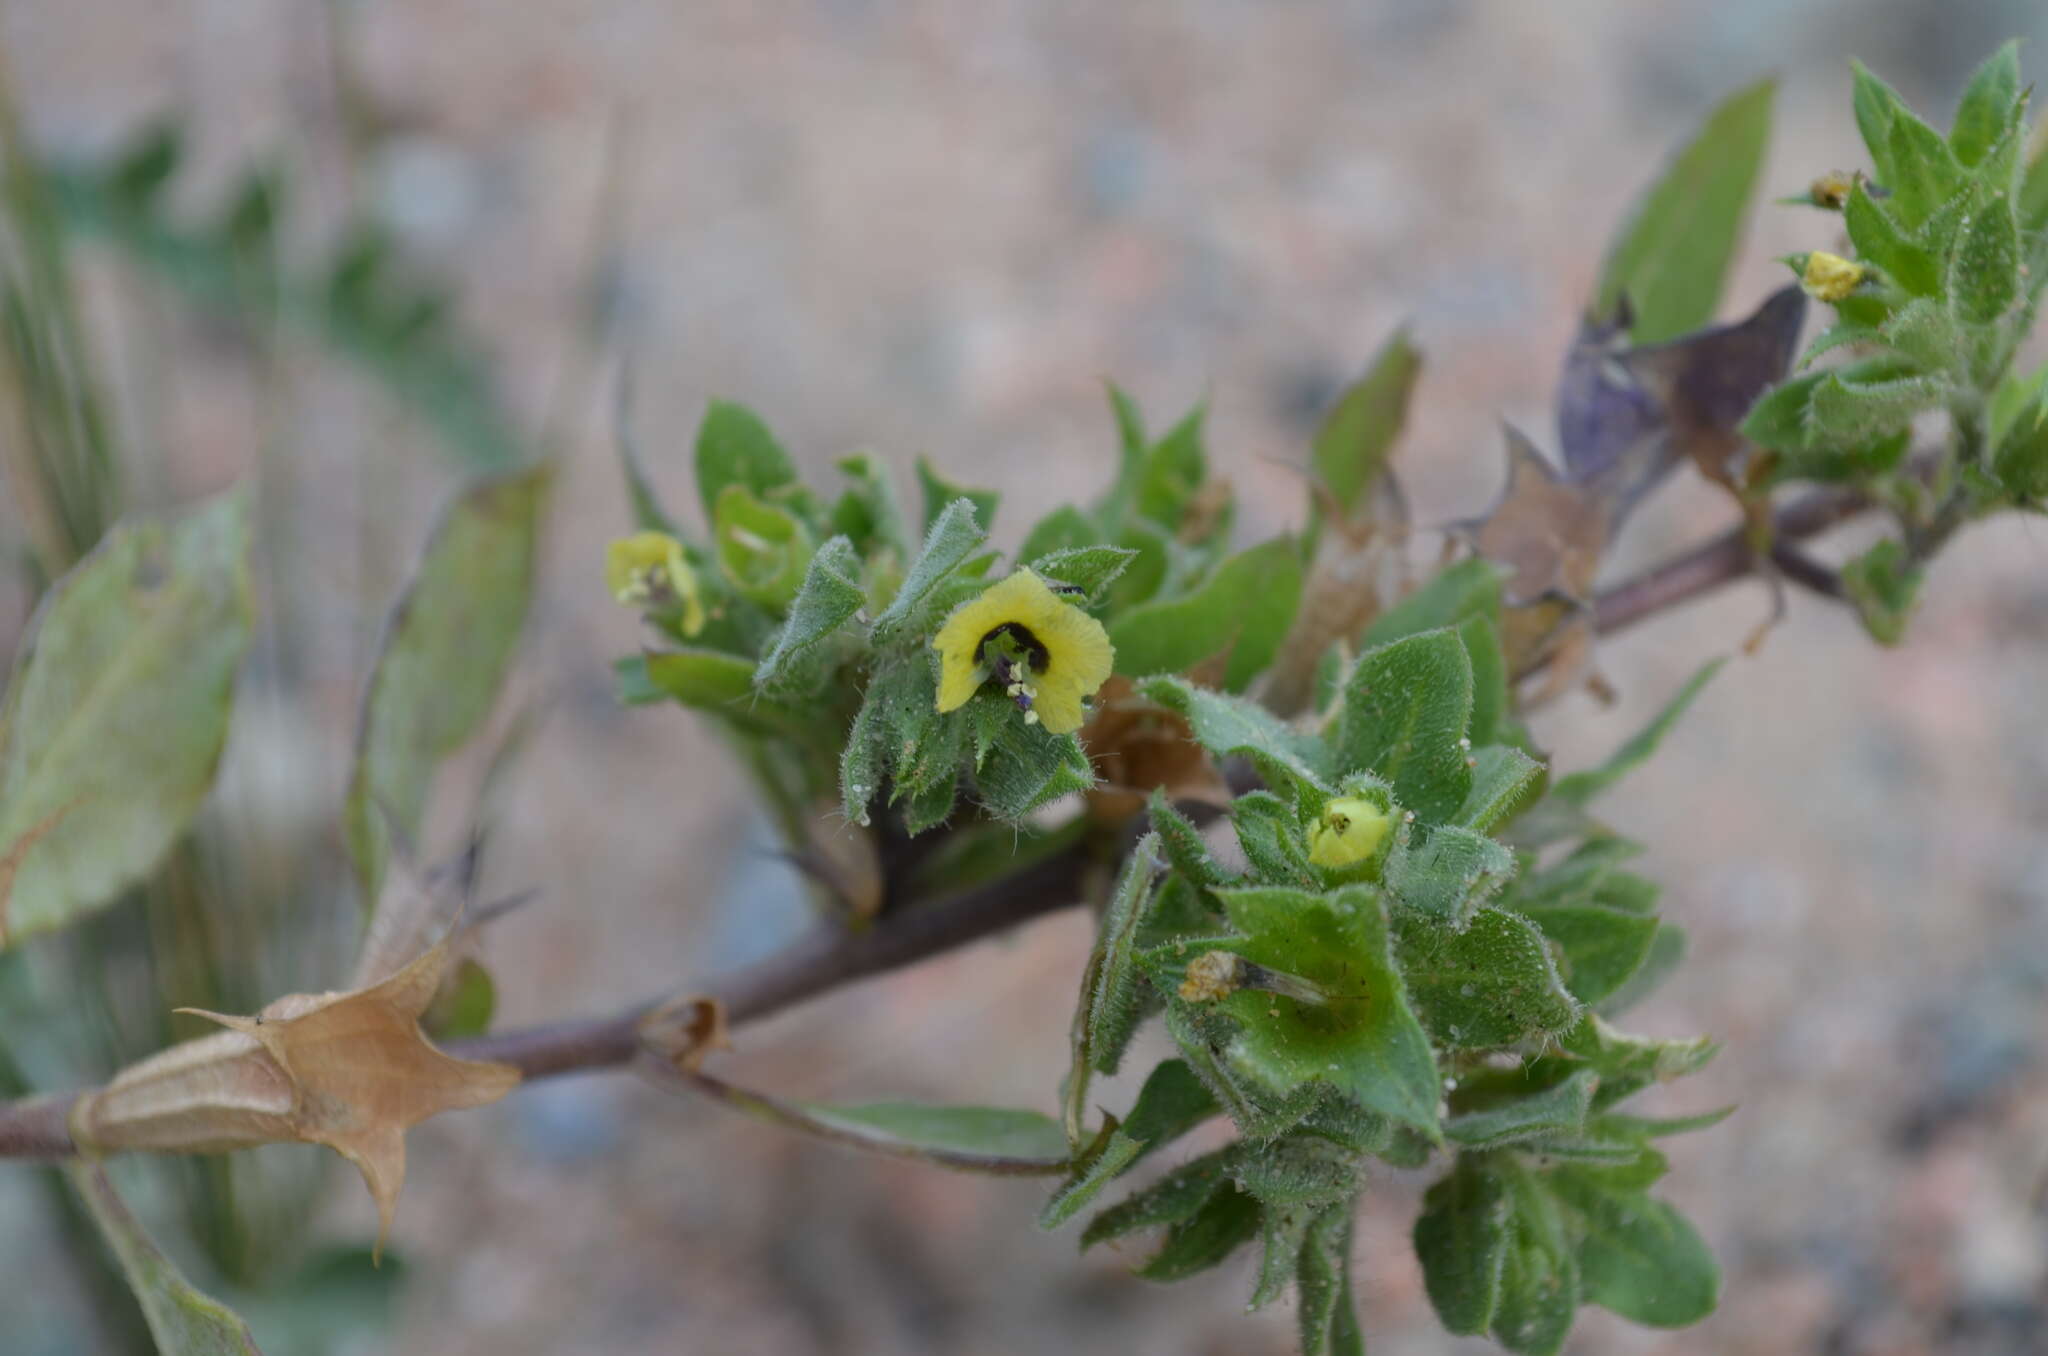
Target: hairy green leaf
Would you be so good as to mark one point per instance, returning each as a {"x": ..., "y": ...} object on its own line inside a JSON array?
[
  {"x": 1448, "y": 873},
  {"x": 1461, "y": 1239},
  {"x": 1988, "y": 104},
  {"x": 1361, "y": 1039},
  {"x": 830, "y": 596},
  {"x": 1227, "y": 726},
  {"x": 955, "y": 535},
  {"x": 1407, "y": 706},
  {"x": 1491, "y": 985}
]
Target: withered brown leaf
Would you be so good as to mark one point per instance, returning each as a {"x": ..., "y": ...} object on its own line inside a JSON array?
[
  {"x": 1136, "y": 747},
  {"x": 1626, "y": 417}
]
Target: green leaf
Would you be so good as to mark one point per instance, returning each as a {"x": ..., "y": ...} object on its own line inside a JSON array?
[
  {"x": 830, "y": 596},
  {"x": 1639, "y": 1257},
  {"x": 1185, "y": 848},
  {"x": 1451, "y": 597},
  {"x": 183, "y": 1321},
  {"x": 1657, "y": 1127},
  {"x": 1363, "y": 1041},
  {"x": 1579, "y": 788},
  {"x": 1924, "y": 174},
  {"x": 1491, "y": 985},
  {"x": 1448, "y": 873},
  {"x": 1987, "y": 106},
  {"x": 1862, "y": 402},
  {"x": 1780, "y": 419},
  {"x": 954, "y": 535},
  {"x": 1539, "y": 1282},
  {"x": 940, "y": 494},
  {"x": 1406, "y": 708},
  {"x": 1228, "y": 726},
  {"x": 2021, "y": 462},
  {"x": 1352, "y": 446},
  {"x": 1602, "y": 946},
  {"x": 1492, "y": 705},
  {"x": 634, "y": 688},
  {"x": 763, "y": 550},
  {"x": 1269, "y": 834},
  {"x": 1884, "y": 584},
  {"x": 2033, "y": 195},
  {"x": 1113, "y": 990},
  {"x": 1066, "y": 528},
  {"x": 972, "y": 1138},
  {"x": 1172, "y": 471},
  {"x": 1091, "y": 569},
  {"x": 1876, "y": 104},
  {"x": 1225, "y": 1222},
  {"x": 115, "y": 719},
  {"x": 1114, "y": 510},
  {"x": 1326, "y": 1320},
  {"x": 1148, "y": 569},
  {"x": 867, "y": 512},
  {"x": 1172, "y": 1199},
  {"x": 1924, "y": 333},
  {"x": 1984, "y": 271},
  {"x": 1080, "y": 1190},
  {"x": 446, "y": 651},
  {"x": 2016, "y": 402},
  {"x": 1666, "y": 950},
  {"x": 1028, "y": 766},
  {"x": 1878, "y": 240},
  {"x": 1461, "y": 1239},
  {"x": 1245, "y": 608},
  {"x": 464, "y": 1006},
  {"x": 735, "y": 448},
  {"x": 1172, "y": 1102},
  {"x": 1672, "y": 256},
  {"x": 710, "y": 680},
  {"x": 1628, "y": 1064},
  {"x": 1505, "y": 782},
  {"x": 1522, "y": 1115}
]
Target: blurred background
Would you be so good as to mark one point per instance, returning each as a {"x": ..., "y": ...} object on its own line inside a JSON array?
[{"x": 935, "y": 228}]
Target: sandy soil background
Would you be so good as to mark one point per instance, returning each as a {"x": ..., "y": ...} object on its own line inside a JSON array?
[{"x": 934, "y": 228}]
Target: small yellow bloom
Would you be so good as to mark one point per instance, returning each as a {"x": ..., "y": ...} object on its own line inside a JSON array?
[
  {"x": 1350, "y": 831},
  {"x": 1833, "y": 188},
  {"x": 1830, "y": 277},
  {"x": 647, "y": 570},
  {"x": 1047, "y": 654}
]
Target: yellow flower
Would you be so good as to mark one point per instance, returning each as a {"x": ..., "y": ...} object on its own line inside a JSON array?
[
  {"x": 647, "y": 570},
  {"x": 1350, "y": 831},
  {"x": 1830, "y": 277},
  {"x": 1047, "y": 654}
]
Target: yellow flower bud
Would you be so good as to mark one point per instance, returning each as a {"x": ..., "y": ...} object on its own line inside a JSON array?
[
  {"x": 1830, "y": 277},
  {"x": 1350, "y": 831},
  {"x": 648, "y": 570}
]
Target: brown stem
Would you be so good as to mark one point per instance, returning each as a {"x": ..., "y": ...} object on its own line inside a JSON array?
[{"x": 1723, "y": 560}]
